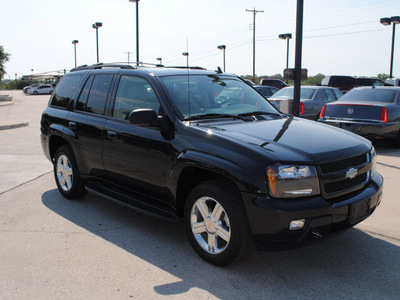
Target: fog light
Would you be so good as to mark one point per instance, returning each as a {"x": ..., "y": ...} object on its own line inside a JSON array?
[{"x": 297, "y": 224}]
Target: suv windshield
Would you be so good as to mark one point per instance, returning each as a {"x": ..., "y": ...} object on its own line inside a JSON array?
[
  {"x": 373, "y": 95},
  {"x": 214, "y": 96},
  {"x": 305, "y": 93}
]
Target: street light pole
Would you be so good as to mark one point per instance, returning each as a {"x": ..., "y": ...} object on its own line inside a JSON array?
[
  {"x": 286, "y": 36},
  {"x": 137, "y": 30},
  {"x": 74, "y": 42},
  {"x": 96, "y": 26},
  {"x": 187, "y": 58},
  {"x": 386, "y": 21},
  {"x": 222, "y": 47},
  {"x": 254, "y": 11}
]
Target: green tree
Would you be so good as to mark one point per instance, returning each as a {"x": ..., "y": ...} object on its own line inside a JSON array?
[
  {"x": 4, "y": 57},
  {"x": 383, "y": 76},
  {"x": 314, "y": 80}
]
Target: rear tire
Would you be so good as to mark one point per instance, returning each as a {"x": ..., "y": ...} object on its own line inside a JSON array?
[
  {"x": 66, "y": 174},
  {"x": 216, "y": 223}
]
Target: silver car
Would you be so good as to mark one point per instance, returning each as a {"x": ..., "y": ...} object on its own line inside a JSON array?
[{"x": 41, "y": 89}]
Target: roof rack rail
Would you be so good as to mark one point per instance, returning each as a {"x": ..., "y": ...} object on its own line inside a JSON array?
[
  {"x": 103, "y": 65},
  {"x": 122, "y": 65},
  {"x": 187, "y": 67}
]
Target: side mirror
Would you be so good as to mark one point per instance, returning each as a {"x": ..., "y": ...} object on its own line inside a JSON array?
[{"x": 146, "y": 117}]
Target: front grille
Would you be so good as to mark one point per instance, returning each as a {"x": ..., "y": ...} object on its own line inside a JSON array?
[
  {"x": 345, "y": 184},
  {"x": 343, "y": 164},
  {"x": 335, "y": 176}
]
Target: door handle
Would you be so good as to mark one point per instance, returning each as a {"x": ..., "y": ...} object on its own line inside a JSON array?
[
  {"x": 72, "y": 125},
  {"x": 111, "y": 134}
]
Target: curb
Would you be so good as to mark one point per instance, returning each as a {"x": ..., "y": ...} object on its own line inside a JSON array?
[{"x": 6, "y": 100}]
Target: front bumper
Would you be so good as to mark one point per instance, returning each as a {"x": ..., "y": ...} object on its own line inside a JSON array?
[
  {"x": 269, "y": 217},
  {"x": 367, "y": 129}
]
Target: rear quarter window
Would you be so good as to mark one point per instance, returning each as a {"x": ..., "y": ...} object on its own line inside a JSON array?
[{"x": 65, "y": 90}]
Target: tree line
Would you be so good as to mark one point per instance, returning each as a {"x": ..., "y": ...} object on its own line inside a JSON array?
[{"x": 311, "y": 80}]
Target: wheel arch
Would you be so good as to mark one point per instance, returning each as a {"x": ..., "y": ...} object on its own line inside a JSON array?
[
  {"x": 56, "y": 142},
  {"x": 195, "y": 168}
]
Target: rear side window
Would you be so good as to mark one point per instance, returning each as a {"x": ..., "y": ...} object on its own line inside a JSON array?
[
  {"x": 329, "y": 96},
  {"x": 98, "y": 94},
  {"x": 65, "y": 89},
  {"x": 81, "y": 104},
  {"x": 337, "y": 93}
]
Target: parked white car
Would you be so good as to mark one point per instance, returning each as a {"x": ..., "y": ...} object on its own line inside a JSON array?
[
  {"x": 42, "y": 89},
  {"x": 393, "y": 81}
]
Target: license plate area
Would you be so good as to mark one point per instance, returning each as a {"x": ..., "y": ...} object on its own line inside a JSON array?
[{"x": 359, "y": 211}]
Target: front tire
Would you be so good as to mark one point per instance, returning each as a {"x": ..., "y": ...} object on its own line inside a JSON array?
[
  {"x": 66, "y": 174},
  {"x": 216, "y": 223}
]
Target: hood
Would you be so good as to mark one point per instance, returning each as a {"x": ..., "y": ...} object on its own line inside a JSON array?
[{"x": 294, "y": 139}]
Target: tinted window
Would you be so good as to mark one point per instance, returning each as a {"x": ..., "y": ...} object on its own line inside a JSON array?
[
  {"x": 372, "y": 95},
  {"x": 65, "y": 89},
  {"x": 81, "y": 104},
  {"x": 305, "y": 93},
  {"x": 329, "y": 95},
  {"x": 98, "y": 94},
  {"x": 267, "y": 91},
  {"x": 337, "y": 93},
  {"x": 134, "y": 93},
  {"x": 341, "y": 80}
]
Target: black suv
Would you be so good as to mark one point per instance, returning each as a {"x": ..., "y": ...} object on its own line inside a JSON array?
[{"x": 205, "y": 147}]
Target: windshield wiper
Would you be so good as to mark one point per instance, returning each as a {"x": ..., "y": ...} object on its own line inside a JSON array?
[
  {"x": 258, "y": 113},
  {"x": 213, "y": 116}
]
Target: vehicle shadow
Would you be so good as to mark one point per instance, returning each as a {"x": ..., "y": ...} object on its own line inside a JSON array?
[
  {"x": 352, "y": 265},
  {"x": 385, "y": 148}
]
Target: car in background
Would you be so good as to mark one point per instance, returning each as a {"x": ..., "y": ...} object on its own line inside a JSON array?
[
  {"x": 346, "y": 83},
  {"x": 42, "y": 89},
  {"x": 273, "y": 82},
  {"x": 27, "y": 89},
  {"x": 392, "y": 81},
  {"x": 312, "y": 99},
  {"x": 265, "y": 90},
  {"x": 341, "y": 82},
  {"x": 372, "y": 112},
  {"x": 364, "y": 81}
]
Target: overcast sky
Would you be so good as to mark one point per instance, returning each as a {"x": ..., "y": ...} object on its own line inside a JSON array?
[{"x": 340, "y": 36}]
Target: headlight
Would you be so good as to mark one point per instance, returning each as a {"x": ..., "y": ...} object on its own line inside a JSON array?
[
  {"x": 290, "y": 181},
  {"x": 373, "y": 161}
]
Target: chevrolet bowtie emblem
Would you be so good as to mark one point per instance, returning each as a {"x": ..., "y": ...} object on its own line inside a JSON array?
[{"x": 351, "y": 173}]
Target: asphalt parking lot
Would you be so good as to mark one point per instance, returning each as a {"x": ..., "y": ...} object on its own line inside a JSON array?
[{"x": 53, "y": 248}]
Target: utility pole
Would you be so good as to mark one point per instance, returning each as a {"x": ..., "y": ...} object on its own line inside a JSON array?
[
  {"x": 297, "y": 68},
  {"x": 254, "y": 11},
  {"x": 128, "y": 55}
]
